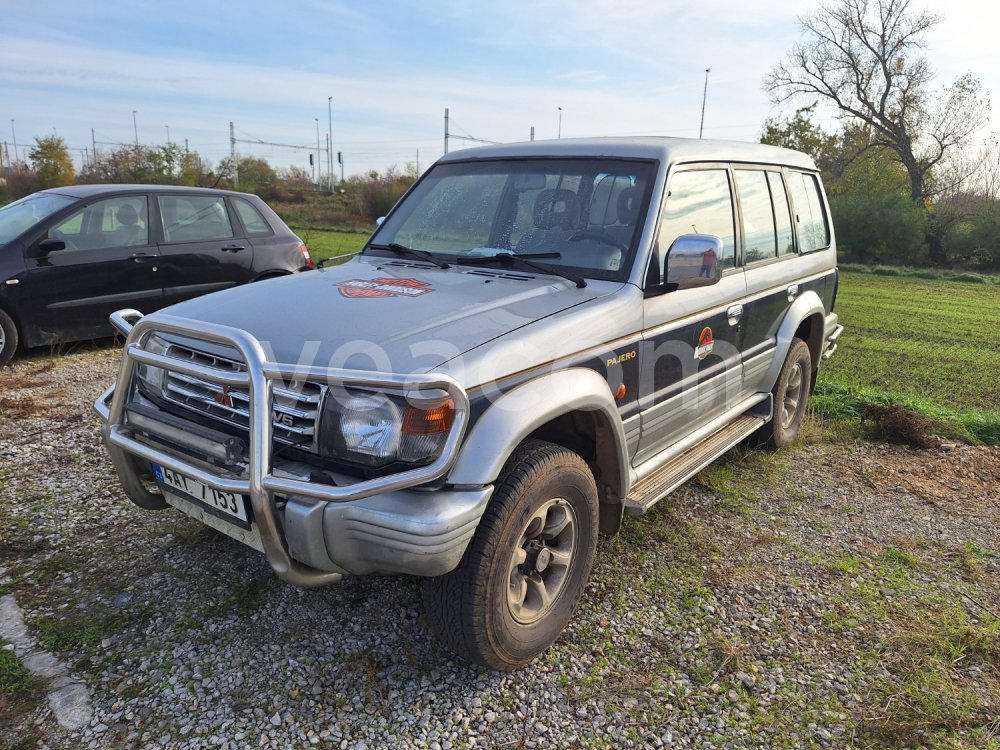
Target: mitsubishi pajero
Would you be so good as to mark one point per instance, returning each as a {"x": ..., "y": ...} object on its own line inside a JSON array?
[{"x": 538, "y": 340}]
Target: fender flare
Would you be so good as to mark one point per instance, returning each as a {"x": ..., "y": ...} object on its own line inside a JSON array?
[
  {"x": 517, "y": 413},
  {"x": 805, "y": 306}
]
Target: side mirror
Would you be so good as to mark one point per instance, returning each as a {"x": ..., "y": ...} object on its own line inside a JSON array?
[
  {"x": 693, "y": 260},
  {"x": 50, "y": 245}
]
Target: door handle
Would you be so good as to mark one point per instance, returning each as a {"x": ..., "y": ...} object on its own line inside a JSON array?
[
  {"x": 142, "y": 257},
  {"x": 233, "y": 248},
  {"x": 734, "y": 314},
  {"x": 793, "y": 292}
]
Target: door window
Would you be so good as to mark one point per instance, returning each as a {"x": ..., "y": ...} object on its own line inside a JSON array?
[
  {"x": 813, "y": 229},
  {"x": 759, "y": 239},
  {"x": 700, "y": 202},
  {"x": 194, "y": 218},
  {"x": 113, "y": 222}
]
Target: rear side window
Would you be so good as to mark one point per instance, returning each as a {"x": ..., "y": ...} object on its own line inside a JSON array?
[
  {"x": 194, "y": 218},
  {"x": 782, "y": 218},
  {"x": 254, "y": 222},
  {"x": 700, "y": 202},
  {"x": 810, "y": 220},
  {"x": 767, "y": 224}
]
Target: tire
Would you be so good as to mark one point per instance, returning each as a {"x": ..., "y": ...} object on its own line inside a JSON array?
[
  {"x": 525, "y": 569},
  {"x": 791, "y": 393},
  {"x": 8, "y": 338}
]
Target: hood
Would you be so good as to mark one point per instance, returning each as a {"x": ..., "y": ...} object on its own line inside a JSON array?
[{"x": 386, "y": 315}]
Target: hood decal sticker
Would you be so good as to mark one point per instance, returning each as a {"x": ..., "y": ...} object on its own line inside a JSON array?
[{"x": 382, "y": 287}]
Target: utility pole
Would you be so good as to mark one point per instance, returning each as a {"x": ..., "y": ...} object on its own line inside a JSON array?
[
  {"x": 532, "y": 132},
  {"x": 17, "y": 156},
  {"x": 446, "y": 130},
  {"x": 135, "y": 126},
  {"x": 704, "y": 96},
  {"x": 329, "y": 145},
  {"x": 340, "y": 160},
  {"x": 318, "y": 152},
  {"x": 232, "y": 155},
  {"x": 418, "y": 162},
  {"x": 185, "y": 146},
  {"x": 168, "y": 134},
  {"x": 559, "y": 132},
  {"x": 93, "y": 143}
]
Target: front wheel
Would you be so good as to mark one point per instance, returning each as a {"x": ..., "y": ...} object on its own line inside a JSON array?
[
  {"x": 524, "y": 571},
  {"x": 8, "y": 338}
]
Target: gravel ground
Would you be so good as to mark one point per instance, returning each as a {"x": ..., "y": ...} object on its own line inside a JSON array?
[{"x": 836, "y": 594}]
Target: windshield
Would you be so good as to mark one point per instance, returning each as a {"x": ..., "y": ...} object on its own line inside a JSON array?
[
  {"x": 20, "y": 215},
  {"x": 584, "y": 213}
]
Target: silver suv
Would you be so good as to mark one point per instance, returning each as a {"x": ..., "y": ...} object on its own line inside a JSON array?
[{"x": 539, "y": 339}]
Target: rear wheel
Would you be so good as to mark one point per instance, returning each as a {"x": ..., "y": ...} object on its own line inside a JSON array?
[
  {"x": 8, "y": 338},
  {"x": 791, "y": 393},
  {"x": 524, "y": 571}
]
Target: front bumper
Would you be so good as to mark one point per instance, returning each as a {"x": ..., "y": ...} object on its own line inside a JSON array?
[{"x": 311, "y": 533}]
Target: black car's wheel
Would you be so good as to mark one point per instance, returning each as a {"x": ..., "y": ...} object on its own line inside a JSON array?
[
  {"x": 8, "y": 338},
  {"x": 526, "y": 567},
  {"x": 791, "y": 393}
]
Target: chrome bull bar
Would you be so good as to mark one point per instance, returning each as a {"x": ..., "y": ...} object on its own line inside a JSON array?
[{"x": 262, "y": 484}]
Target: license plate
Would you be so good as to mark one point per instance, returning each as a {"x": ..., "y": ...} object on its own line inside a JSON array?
[{"x": 227, "y": 505}]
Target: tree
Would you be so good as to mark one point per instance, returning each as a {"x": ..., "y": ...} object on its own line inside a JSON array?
[
  {"x": 374, "y": 194},
  {"x": 52, "y": 163},
  {"x": 864, "y": 57},
  {"x": 873, "y": 215},
  {"x": 801, "y": 134},
  {"x": 248, "y": 173}
]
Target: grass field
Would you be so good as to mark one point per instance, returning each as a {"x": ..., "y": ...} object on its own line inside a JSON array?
[
  {"x": 934, "y": 344},
  {"x": 325, "y": 243}
]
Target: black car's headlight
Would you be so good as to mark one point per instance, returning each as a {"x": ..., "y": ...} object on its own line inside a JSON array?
[{"x": 375, "y": 429}]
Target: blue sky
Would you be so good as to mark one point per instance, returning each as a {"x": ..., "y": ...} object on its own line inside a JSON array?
[{"x": 616, "y": 67}]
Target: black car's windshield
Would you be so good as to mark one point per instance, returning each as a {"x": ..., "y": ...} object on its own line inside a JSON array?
[
  {"x": 23, "y": 214},
  {"x": 586, "y": 212}
]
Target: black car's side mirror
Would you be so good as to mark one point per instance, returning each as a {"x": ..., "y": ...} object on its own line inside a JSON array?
[
  {"x": 50, "y": 245},
  {"x": 693, "y": 260}
]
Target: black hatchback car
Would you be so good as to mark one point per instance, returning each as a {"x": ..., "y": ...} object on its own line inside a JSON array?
[{"x": 71, "y": 256}]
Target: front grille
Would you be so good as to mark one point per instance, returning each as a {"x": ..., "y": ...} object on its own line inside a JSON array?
[{"x": 296, "y": 407}]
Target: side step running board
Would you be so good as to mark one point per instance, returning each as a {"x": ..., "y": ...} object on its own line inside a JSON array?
[{"x": 673, "y": 474}]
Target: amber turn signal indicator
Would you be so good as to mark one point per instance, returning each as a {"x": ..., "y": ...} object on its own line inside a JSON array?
[
  {"x": 620, "y": 393},
  {"x": 434, "y": 420}
]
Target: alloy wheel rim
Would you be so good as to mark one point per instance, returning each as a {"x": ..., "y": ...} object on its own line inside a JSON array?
[
  {"x": 793, "y": 396},
  {"x": 539, "y": 568}
]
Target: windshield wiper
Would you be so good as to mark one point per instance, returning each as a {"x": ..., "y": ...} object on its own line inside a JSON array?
[
  {"x": 506, "y": 259},
  {"x": 395, "y": 247}
]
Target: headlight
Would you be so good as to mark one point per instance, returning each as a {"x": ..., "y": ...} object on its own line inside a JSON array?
[
  {"x": 149, "y": 376},
  {"x": 375, "y": 429},
  {"x": 371, "y": 425}
]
